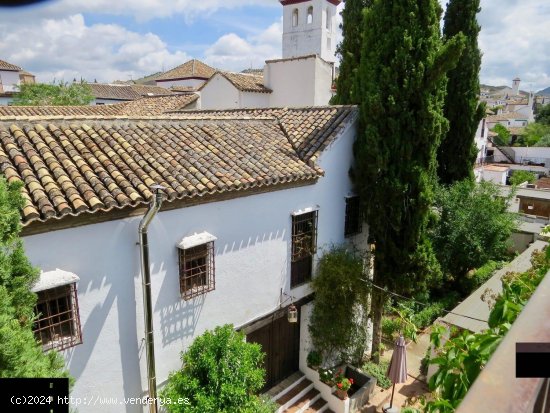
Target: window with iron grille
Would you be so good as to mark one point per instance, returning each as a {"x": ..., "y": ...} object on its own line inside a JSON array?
[
  {"x": 58, "y": 321},
  {"x": 354, "y": 218},
  {"x": 304, "y": 246},
  {"x": 196, "y": 267}
]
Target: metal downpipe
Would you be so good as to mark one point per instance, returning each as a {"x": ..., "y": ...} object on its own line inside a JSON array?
[{"x": 147, "y": 301}]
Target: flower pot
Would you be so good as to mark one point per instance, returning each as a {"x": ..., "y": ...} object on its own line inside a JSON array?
[{"x": 342, "y": 394}]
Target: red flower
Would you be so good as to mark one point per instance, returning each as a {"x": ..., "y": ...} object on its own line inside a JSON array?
[
  {"x": 351, "y": 381},
  {"x": 339, "y": 385}
]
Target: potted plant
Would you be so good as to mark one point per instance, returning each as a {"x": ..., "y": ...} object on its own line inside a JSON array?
[
  {"x": 343, "y": 384},
  {"x": 326, "y": 376},
  {"x": 314, "y": 359}
]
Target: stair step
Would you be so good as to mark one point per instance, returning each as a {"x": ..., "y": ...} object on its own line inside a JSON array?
[
  {"x": 285, "y": 398},
  {"x": 315, "y": 407},
  {"x": 303, "y": 401}
]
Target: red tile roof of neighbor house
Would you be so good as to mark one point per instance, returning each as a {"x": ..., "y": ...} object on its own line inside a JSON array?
[
  {"x": 190, "y": 69},
  {"x": 126, "y": 92},
  {"x": 72, "y": 166},
  {"x": 8, "y": 66},
  {"x": 145, "y": 106}
]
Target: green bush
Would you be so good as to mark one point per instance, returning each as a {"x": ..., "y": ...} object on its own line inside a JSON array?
[
  {"x": 519, "y": 177},
  {"x": 379, "y": 372},
  {"x": 390, "y": 326},
  {"x": 479, "y": 276},
  {"x": 221, "y": 374},
  {"x": 338, "y": 323}
]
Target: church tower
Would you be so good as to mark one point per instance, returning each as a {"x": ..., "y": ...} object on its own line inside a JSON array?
[{"x": 309, "y": 27}]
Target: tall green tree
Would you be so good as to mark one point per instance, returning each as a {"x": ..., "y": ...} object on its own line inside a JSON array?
[
  {"x": 20, "y": 354},
  {"x": 458, "y": 151},
  {"x": 349, "y": 50},
  {"x": 61, "y": 94},
  {"x": 401, "y": 86}
]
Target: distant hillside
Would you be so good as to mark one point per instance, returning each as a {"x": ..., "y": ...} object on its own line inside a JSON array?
[{"x": 544, "y": 92}]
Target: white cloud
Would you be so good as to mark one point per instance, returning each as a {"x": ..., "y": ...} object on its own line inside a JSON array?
[
  {"x": 67, "y": 48},
  {"x": 232, "y": 52}
]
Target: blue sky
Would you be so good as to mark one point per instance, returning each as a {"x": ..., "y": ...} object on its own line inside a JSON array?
[{"x": 122, "y": 39}]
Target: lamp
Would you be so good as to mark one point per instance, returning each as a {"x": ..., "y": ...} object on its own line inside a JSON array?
[{"x": 292, "y": 314}]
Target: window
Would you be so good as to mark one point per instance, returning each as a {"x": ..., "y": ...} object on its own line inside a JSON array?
[
  {"x": 58, "y": 322},
  {"x": 295, "y": 18},
  {"x": 196, "y": 269},
  {"x": 327, "y": 14},
  {"x": 310, "y": 15},
  {"x": 328, "y": 43},
  {"x": 354, "y": 218},
  {"x": 304, "y": 246}
]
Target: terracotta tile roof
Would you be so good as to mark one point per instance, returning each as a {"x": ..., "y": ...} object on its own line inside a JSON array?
[
  {"x": 543, "y": 183},
  {"x": 26, "y": 111},
  {"x": 516, "y": 131},
  {"x": 259, "y": 72},
  {"x": 146, "y": 106},
  {"x": 191, "y": 68},
  {"x": 310, "y": 130},
  {"x": 246, "y": 82},
  {"x": 184, "y": 89},
  {"x": 8, "y": 66},
  {"x": 152, "y": 106},
  {"x": 506, "y": 116},
  {"x": 126, "y": 92},
  {"x": 74, "y": 166}
]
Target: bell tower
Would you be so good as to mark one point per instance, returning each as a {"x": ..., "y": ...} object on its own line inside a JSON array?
[{"x": 309, "y": 27}]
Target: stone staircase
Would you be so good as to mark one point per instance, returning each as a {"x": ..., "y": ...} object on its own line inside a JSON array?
[{"x": 296, "y": 394}]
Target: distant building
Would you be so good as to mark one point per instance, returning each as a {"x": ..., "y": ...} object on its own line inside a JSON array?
[{"x": 11, "y": 76}]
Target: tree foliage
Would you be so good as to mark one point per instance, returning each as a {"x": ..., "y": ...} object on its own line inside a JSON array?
[
  {"x": 349, "y": 50},
  {"x": 458, "y": 151},
  {"x": 503, "y": 135},
  {"x": 401, "y": 88},
  {"x": 472, "y": 228},
  {"x": 533, "y": 134},
  {"x": 338, "y": 323},
  {"x": 519, "y": 177},
  {"x": 461, "y": 359},
  {"x": 20, "y": 354},
  {"x": 61, "y": 94},
  {"x": 543, "y": 116},
  {"x": 221, "y": 373}
]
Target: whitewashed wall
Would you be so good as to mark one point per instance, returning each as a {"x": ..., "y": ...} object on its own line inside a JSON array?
[
  {"x": 219, "y": 93},
  {"x": 299, "y": 82},
  {"x": 9, "y": 80},
  {"x": 535, "y": 154},
  {"x": 254, "y": 100},
  {"x": 252, "y": 265}
]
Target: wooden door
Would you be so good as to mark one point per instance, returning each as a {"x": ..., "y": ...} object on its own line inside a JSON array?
[{"x": 280, "y": 341}]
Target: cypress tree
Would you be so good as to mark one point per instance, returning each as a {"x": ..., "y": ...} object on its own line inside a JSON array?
[
  {"x": 457, "y": 153},
  {"x": 20, "y": 354},
  {"x": 401, "y": 85},
  {"x": 349, "y": 50}
]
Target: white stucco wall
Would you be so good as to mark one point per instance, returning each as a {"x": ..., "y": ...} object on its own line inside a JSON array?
[
  {"x": 194, "y": 83},
  {"x": 299, "y": 82},
  {"x": 254, "y": 100},
  {"x": 219, "y": 93},
  {"x": 534, "y": 154},
  {"x": 9, "y": 80},
  {"x": 251, "y": 260},
  {"x": 496, "y": 177}
]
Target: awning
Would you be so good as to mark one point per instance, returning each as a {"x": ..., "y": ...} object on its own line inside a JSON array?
[{"x": 52, "y": 279}]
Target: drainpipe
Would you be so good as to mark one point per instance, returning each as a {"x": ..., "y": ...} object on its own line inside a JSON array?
[{"x": 146, "y": 288}]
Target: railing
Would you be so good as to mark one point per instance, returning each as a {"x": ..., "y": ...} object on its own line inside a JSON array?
[
  {"x": 497, "y": 389},
  {"x": 505, "y": 150}
]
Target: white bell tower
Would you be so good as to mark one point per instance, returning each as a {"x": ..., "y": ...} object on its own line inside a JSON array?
[{"x": 309, "y": 27}]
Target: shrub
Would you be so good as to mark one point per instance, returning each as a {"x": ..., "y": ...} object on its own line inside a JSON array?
[
  {"x": 390, "y": 326},
  {"x": 221, "y": 373},
  {"x": 314, "y": 359},
  {"x": 338, "y": 323},
  {"x": 519, "y": 177},
  {"x": 379, "y": 372},
  {"x": 476, "y": 278}
]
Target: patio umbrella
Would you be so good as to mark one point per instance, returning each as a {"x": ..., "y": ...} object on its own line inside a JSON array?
[{"x": 397, "y": 370}]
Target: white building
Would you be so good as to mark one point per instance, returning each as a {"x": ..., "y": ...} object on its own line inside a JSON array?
[
  {"x": 309, "y": 27},
  {"x": 11, "y": 76},
  {"x": 239, "y": 188}
]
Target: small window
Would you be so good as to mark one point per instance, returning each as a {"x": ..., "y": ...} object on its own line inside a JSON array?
[
  {"x": 196, "y": 268},
  {"x": 354, "y": 218},
  {"x": 328, "y": 43},
  {"x": 295, "y": 18},
  {"x": 328, "y": 19},
  {"x": 310, "y": 15},
  {"x": 57, "y": 325},
  {"x": 304, "y": 246}
]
